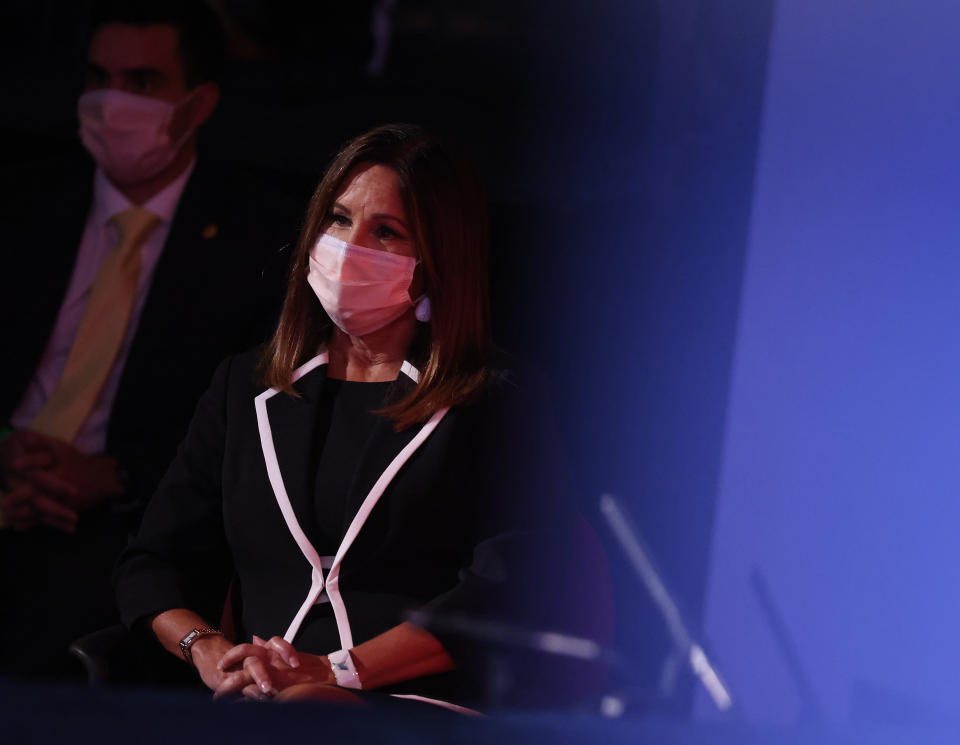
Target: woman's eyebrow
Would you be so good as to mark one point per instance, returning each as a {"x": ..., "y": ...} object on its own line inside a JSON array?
[
  {"x": 387, "y": 216},
  {"x": 341, "y": 207}
]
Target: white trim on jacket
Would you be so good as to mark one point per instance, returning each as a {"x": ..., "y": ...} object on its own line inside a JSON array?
[
  {"x": 327, "y": 589},
  {"x": 330, "y": 583}
]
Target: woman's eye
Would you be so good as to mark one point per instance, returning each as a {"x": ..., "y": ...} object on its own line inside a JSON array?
[
  {"x": 339, "y": 220},
  {"x": 384, "y": 232}
]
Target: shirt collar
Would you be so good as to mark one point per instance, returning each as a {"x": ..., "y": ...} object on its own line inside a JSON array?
[{"x": 108, "y": 199}]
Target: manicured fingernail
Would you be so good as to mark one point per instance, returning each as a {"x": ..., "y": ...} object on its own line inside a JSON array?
[
  {"x": 220, "y": 666},
  {"x": 294, "y": 662},
  {"x": 265, "y": 687}
]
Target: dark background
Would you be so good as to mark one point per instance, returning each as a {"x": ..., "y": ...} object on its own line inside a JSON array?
[{"x": 617, "y": 140}]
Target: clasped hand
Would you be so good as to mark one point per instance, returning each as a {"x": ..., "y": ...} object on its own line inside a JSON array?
[
  {"x": 263, "y": 669},
  {"x": 49, "y": 482}
]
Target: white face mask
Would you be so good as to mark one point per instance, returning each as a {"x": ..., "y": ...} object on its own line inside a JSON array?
[
  {"x": 128, "y": 135},
  {"x": 361, "y": 289}
]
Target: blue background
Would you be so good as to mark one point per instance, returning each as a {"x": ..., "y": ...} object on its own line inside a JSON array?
[{"x": 839, "y": 476}]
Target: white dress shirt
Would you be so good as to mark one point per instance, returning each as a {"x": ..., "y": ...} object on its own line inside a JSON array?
[{"x": 99, "y": 236}]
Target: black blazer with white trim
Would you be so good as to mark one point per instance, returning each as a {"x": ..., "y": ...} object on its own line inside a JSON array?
[{"x": 452, "y": 516}]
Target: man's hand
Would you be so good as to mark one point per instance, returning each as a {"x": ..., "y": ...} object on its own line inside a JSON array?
[
  {"x": 25, "y": 506},
  {"x": 57, "y": 471},
  {"x": 16, "y": 458}
]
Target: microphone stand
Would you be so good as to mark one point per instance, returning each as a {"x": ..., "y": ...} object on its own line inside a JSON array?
[
  {"x": 504, "y": 637},
  {"x": 686, "y": 648}
]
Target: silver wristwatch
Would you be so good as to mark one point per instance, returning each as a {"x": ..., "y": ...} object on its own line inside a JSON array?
[{"x": 191, "y": 638}]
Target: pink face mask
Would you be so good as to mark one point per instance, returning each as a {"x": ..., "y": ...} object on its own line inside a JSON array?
[
  {"x": 361, "y": 289},
  {"x": 128, "y": 135}
]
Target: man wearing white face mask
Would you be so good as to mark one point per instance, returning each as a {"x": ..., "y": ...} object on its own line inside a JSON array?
[{"x": 130, "y": 278}]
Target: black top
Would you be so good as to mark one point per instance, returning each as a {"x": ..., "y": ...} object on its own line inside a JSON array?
[{"x": 345, "y": 424}]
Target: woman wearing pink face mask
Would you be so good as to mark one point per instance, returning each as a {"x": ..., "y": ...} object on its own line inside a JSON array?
[{"x": 369, "y": 461}]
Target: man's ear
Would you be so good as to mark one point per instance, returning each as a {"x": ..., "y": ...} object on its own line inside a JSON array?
[{"x": 203, "y": 101}]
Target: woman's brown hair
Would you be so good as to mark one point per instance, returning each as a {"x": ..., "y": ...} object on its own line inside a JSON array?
[{"x": 447, "y": 209}]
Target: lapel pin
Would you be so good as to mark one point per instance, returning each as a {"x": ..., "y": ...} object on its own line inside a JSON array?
[{"x": 210, "y": 231}]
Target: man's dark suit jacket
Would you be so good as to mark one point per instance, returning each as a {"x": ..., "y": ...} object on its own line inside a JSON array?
[{"x": 215, "y": 291}]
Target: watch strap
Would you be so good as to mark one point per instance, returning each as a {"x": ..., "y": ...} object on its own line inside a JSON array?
[
  {"x": 191, "y": 637},
  {"x": 344, "y": 671}
]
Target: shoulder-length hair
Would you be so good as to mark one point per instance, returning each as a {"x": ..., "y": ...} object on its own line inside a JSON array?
[{"x": 446, "y": 206}]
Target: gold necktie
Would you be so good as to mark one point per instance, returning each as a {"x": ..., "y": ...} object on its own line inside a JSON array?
[{"x": 101, "y": 330}]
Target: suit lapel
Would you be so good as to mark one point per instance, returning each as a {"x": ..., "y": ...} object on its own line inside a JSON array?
[
  {"x": 185, "y": 294},
  {"x": 189, "y": 268},
  {"x": 292, "y": 425},
  {"x": 293, "y": 422},
  {"x": 378, "y": 452}
]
